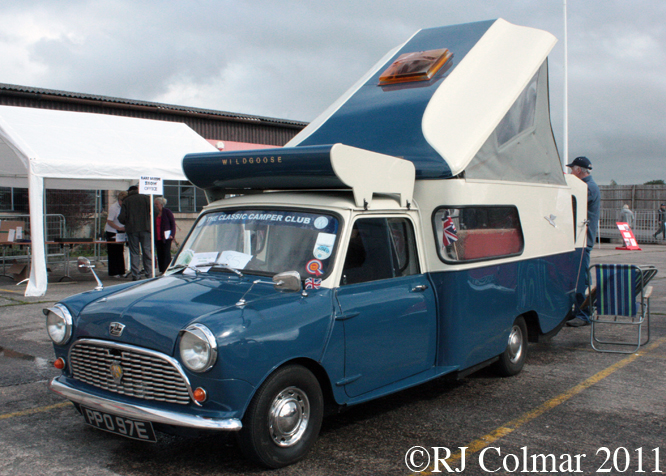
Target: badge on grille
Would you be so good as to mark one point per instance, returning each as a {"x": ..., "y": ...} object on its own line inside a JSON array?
[
  {"x": 116, "y": 371},
  {"x": 116, "y": 329}
]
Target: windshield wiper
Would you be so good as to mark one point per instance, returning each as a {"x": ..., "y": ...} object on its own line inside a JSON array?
[
  {"x": 178, "y": 267},
  {"x": 212, "y": 264},
  {"x": 229, "y": 268}
]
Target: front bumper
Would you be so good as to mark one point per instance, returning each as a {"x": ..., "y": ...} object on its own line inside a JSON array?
[{"x": 141, "y": 412}]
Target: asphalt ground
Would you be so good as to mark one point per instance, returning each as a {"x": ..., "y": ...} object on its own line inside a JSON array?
[{"x": 582, "y": 411}]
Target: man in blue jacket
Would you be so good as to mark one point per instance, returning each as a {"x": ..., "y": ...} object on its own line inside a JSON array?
[{"x": 581, "y": 168}]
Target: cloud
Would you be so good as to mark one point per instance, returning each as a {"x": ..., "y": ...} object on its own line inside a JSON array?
[{"x": 292, "y": 59}]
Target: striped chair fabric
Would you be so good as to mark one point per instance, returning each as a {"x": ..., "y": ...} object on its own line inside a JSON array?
[{"x": 617, "y": 288}]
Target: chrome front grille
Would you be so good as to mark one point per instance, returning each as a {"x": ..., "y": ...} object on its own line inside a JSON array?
[{"x": 145, "y": 374}]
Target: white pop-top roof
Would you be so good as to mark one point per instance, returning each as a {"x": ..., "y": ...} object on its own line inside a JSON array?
[
  {"x": 442, "y": 123},
  {"x": 472, "y": 101}
]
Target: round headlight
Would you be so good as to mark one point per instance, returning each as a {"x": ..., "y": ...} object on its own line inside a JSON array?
[
  {"x": 198, "y": 348},
  {"x": 58, "y": 324}
]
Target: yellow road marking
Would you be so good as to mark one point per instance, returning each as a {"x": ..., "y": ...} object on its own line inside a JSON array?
[
  {"x": 10, "y": 291},
  {"x": 480, "y": 443},
  {"x": 31, "y": 411}
]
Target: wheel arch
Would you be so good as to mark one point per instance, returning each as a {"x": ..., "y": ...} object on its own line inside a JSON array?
[
  {"x": 330, "y": 405},
  {"x": 317, "y": 370},
  {"x": 533, "y": 325}
]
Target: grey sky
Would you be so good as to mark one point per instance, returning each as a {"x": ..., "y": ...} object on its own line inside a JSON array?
[{"x": 291, "y": 59}]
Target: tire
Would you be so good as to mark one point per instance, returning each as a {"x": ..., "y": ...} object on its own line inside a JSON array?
[
  {"x": 512, "y": 360},
  {"x": 283, "y": 419}
]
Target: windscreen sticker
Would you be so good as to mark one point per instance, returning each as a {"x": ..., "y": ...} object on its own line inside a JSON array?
[
  {"x": 322, "y": 252},
  {"x": 324, "y": 246},
  {"x": 315, "y": 267},
  {"x": 243, "y": 217},
  {"x": 312, "y": 283},
  {"x": 320, "y": 223},
  {"x": 288, "y": 218}
]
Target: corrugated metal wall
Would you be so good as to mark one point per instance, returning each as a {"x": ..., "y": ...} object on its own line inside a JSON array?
[{"x": 214, "y": 125}]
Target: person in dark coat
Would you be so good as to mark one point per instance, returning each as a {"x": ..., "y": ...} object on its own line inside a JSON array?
[
  {"x": 661, "y": 217},
  {"x": 165, "y": 233},
  {"x": 135, "y": 215}
]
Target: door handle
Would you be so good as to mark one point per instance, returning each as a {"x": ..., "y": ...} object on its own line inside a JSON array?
[
  {"x": 419, "y": 288},
  {"x": 346, "y": 315}
]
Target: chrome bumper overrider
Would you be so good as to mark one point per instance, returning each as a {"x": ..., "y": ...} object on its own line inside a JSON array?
[{"x": 140, "y": 412}]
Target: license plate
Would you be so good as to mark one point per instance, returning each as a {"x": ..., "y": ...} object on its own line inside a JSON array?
[{"x": 136, "y": 429}]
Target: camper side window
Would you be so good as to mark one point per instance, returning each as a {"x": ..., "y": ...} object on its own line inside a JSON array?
[
  {"x": 521, "y": 115},
  {"x": 477, "y": 233}
]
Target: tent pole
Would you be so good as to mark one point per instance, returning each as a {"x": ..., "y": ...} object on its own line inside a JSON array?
[
  {"x": 38, "y": 277},
  {"x": 152, "y": 231}
]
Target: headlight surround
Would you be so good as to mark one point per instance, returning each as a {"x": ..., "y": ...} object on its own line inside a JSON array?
[
  {"x": 198, "y": 348},
  {"x": 58, "y": 324}
]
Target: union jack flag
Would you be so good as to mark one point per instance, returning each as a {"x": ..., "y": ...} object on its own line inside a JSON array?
[
  {"x": 450, "y": 234},
  {"x": 312, "y": 283}
]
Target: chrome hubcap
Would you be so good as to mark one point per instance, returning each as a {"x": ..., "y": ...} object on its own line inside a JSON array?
[
  {"x": 515, "y": 344},
  {"x": 289, "y": 416}
]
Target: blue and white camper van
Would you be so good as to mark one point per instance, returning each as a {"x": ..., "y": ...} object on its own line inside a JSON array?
[{"x": 420, "y": 227}]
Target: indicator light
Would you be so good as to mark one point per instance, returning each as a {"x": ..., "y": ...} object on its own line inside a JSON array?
[
  {"x": 59, "y": 363},
  {"x": 200, "y": 395}
]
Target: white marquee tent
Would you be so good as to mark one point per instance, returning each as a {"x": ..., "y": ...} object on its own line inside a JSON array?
[{"x": 42, "y": 149}]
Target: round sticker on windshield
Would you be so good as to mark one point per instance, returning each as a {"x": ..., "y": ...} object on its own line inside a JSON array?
[
  {"x": 322, "y": 252},
  {"x": 315, "y": 266},
  {"x": 320, "y": 223}
]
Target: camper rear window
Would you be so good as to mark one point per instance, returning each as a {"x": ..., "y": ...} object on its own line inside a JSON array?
[{"x": 477, "y": 232}]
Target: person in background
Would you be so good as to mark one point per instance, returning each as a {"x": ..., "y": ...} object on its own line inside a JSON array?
[
  {"x": 627, "y": 216},
  {"x": 112, "y": 228},
  {"x": 135, "y": 215},
  {"x": 581, "y": 167},
  {"x": 165, "y": 233},
  {"x": 661, "y": 216}
]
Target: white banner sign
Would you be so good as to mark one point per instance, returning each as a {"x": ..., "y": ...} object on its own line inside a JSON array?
[{"x": 151, "y": 185}]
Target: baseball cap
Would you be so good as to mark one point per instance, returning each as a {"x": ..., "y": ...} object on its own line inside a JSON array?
[{"x": 583, "y": 162}]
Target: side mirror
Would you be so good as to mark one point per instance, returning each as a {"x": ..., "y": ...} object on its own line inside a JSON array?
[
  {"x": 84, "y": 266},
  {"x": 289, "y": 281}
]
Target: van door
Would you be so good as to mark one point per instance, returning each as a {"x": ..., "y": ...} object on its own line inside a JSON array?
[{"x": 387, "y": 306}]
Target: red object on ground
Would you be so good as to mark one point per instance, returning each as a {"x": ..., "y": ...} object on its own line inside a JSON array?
[{"x": 630, "y": 243}]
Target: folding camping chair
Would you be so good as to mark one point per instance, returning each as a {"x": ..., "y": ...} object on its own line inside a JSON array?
[{"x": 621, "y": 298}]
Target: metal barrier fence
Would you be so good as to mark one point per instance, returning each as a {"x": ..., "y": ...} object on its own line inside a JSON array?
[
  {"x": 54, "y": 227},
  {"x": 645, "y": 225}
]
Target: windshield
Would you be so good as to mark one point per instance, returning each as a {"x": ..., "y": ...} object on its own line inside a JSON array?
[{"x": 262, "y": 242}]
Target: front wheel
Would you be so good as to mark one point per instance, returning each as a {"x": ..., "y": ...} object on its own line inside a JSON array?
[
  {"x": 283, "y": 420},
  {"x": 512, "y": 360}
]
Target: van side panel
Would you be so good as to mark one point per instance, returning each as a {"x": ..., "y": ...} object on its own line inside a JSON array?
[{"x": 477, "y": 306}]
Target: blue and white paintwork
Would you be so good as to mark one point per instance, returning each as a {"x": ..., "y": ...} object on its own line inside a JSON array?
[{"x": 385, "y": 152}]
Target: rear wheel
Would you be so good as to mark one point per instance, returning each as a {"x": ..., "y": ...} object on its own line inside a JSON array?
[
  {"x": 512, "y": 360},
  {"x": 283, "y": 420}
]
